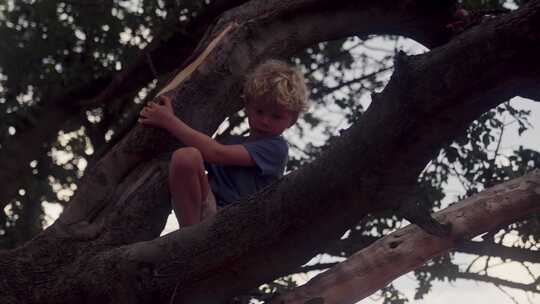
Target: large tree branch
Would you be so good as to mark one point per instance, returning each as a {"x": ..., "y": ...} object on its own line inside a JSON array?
[
  {"x": 426, "y": 116},
  {"x": 430, "y": 99},
  {"x": 348, "y": 246},
  {"x": 450, "y": 273},
  {"x": 290, "y": 213},
  {"x": 259, "y": 30},
  {"x": 406, "y": 249}
]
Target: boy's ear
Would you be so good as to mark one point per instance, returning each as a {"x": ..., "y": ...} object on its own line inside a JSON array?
[{"x": 294, "y": 118}]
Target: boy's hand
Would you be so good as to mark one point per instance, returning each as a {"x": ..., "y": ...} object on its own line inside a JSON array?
[{"x": 157, "y": 114}]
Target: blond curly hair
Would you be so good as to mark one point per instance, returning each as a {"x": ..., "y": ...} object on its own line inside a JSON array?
[{"x": 276, "y": 81}]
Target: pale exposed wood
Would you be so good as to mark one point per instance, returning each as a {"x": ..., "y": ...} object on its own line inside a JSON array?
[
  {"x": 184, "y": 73},
  {"x": 408, "y": 248}
]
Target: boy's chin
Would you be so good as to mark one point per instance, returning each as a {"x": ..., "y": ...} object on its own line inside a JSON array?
[{"x": 260, "y": 134}]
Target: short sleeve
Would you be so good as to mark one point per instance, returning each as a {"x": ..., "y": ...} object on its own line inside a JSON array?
[{"x": 269, "y": 155}]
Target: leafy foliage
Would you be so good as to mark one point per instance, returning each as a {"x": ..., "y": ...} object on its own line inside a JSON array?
[{"x": 51, "y": 47}]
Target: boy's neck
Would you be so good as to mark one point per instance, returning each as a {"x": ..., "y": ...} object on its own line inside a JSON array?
[{"x": 253, "y": 137}]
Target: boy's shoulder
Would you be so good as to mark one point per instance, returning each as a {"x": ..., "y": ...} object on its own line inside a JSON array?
[
  {"x": 270, "y": 148},
  {"x": 240, "y": 139},
  {"x": 270, "y": 155},
  {"x": 273, "y": 149}
]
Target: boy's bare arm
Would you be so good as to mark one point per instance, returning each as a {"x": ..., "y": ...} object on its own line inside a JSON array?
[{"x": 162, "y": 116}]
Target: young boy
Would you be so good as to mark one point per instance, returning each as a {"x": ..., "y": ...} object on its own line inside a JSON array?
[{"x": 275, "y": 94}]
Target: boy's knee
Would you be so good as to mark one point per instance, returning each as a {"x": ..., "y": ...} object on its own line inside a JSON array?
[{"x": 188, "y": 158}]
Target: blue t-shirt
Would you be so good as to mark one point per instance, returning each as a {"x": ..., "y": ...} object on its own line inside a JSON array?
[{"x": 231, "y": 183}]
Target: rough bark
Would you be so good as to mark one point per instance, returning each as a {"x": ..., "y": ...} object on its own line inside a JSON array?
[
  {"x": 350, "y": 245},
  {"x": 408, "y": 248},
  {"x": 103, "y": 248}
]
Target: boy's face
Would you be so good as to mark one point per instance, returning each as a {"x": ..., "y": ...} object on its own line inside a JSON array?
[{"x": 268, "y": 119}]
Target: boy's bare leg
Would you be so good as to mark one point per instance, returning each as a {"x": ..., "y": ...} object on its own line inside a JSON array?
[
  {"x": 188, "y": 185},
  {"x": 209, "y": 207}
]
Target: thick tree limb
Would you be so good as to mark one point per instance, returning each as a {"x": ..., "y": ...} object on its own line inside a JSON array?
[
  {"x": 408, "y": 143},
  {"x": 451, "y": 273},
  {"x": 406, "y": 249},
  {"x": 346, "y": 247},
  {"x": 415, "y": 127},
  {"x": 203, "y": 105},
  {"x": 430, "y": 99}
]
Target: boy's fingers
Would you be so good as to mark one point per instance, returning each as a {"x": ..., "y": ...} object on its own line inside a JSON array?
[
  {"x": 150, "y": 108},
  {"x": 166, "y": 100},
  {"x": 144, "y": 121}
]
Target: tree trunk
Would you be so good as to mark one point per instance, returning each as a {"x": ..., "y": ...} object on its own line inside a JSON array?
[{"x": 103, "y": 248}]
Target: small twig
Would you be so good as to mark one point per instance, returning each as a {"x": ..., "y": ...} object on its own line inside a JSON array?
[
  {"x": 173, "y": 296},
  {"x": 506, "y": 293},
  {"x": 151, "y": 65},
  {"x": 472, "y": 263},
  {"x": 458, "y": 176}
]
